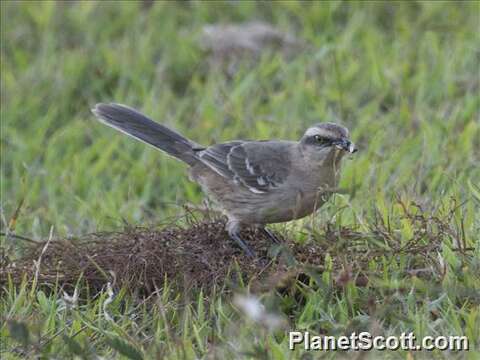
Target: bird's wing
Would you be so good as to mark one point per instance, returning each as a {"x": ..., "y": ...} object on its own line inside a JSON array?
[{"x": 259, "y": 166}]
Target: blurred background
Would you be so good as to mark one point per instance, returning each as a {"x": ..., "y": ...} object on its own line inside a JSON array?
[
  {"x": 397, "y": 250},
  {"x": 402, "y": 76}
]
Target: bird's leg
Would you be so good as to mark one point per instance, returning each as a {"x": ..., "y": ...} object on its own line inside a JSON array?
[
  {"x": 233, "y": 229},
  {"x": 270, "y": 234}
]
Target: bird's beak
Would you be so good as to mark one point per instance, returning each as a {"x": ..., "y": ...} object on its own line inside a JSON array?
[{"x": 346, "y": 145}]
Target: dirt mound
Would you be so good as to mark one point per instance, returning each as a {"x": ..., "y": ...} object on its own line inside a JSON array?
[{"x": 200, "y": 254}]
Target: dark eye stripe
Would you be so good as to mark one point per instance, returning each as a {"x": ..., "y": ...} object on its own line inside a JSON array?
[{"x": 322, "y": 140}]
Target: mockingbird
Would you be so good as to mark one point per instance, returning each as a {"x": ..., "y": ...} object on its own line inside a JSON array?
[{"x": 253, "y": 182}]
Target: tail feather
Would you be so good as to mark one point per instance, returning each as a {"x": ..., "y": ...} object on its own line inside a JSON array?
[{"x": 135, "y": 124}]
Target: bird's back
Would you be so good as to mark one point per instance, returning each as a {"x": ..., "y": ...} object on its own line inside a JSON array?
[{"x": 260, "y": 182}]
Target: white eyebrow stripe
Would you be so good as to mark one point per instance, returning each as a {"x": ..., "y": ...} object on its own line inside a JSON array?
[
  {"x": 316, "y": 131},
  {"x": 312, "y": 131}
]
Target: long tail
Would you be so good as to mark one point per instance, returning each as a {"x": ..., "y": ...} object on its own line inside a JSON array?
[{"x": 137, "y": 125}]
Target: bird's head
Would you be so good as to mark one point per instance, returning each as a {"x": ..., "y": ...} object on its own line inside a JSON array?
[{"x": 326, "y": 139}]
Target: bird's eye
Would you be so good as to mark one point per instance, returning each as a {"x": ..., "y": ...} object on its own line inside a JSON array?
[{"x": 319, "y": 139}]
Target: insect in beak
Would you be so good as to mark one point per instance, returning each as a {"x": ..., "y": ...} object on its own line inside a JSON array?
[{"x": 346, "y": 145}]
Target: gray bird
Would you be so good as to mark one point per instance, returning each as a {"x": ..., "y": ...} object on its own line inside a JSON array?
[{"x": 253, "y": 182}]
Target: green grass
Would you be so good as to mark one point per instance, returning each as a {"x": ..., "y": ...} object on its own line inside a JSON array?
[{"x": 403, "y": 77}]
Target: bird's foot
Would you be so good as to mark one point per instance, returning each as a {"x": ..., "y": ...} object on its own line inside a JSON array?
[
  {"x": 240, "y": 242},
  {"x": 268, "y": 233},
  {"x": 233, "y": 228}
]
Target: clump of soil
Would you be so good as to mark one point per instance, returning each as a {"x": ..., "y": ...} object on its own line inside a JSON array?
[
  {"x": 228, "y": 40},
  {"x": 229, "y": 45},
  {"x": 200, "y": 254}
]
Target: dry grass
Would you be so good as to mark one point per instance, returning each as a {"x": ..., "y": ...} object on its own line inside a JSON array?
[{"x": 200, "y": 254}]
